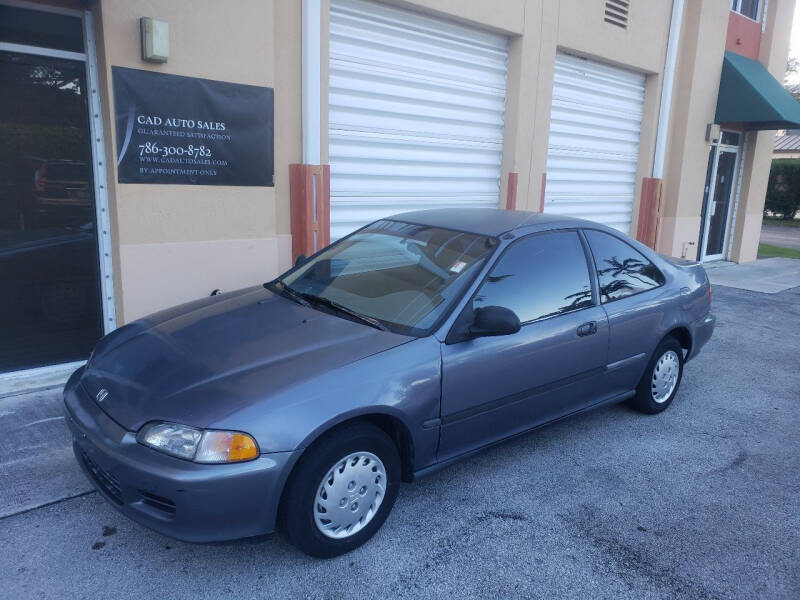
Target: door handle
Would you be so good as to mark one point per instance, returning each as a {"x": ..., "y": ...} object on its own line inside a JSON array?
[{"x": 589, "y": 328}]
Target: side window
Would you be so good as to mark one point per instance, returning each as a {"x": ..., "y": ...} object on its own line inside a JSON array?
[
  {"x": 539, "y": 276},
  {"x": 621, "y": 270}
]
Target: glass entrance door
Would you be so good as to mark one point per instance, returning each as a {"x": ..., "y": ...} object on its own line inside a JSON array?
[
  {"x": 717, "y": 206},
  {"x": 50, "y": 309}
]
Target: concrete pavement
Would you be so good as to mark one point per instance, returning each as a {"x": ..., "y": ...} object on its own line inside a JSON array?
[
  {"x": 765, "y": 275},
  {"x": 36, "y": 462},
  {"x": 702, "y": 501}
]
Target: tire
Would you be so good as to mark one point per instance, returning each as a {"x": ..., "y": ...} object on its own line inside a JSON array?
[
  {"x": 661, "y": 379},
  {"x": 365, "y": 489}
]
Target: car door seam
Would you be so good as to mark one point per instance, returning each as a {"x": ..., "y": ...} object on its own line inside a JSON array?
[{"x": 519, "y": 396}]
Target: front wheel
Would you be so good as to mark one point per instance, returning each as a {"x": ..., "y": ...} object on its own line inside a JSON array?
[
  {"x": 342, "y": 490},
  {"x": 661, "y": 379}
]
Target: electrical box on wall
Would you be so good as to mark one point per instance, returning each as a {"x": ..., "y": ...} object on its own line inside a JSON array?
[
  {"x": 712, "y": 132},
  {"x": 155, "y": 40}
]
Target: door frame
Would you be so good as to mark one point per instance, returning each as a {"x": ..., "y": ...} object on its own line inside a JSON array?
[
  {"x": 718, "y": 148},
  {"x": 99, "y": 171}
]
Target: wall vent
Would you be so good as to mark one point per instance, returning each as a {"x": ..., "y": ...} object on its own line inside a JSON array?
[{"x": 616, "y": 12}]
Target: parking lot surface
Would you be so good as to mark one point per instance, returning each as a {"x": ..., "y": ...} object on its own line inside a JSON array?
[{"x": 702, "y": 501}]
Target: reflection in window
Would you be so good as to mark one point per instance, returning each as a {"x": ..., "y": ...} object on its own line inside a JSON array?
[
  {"x": 539, "y": 276},
  {"x": 50, "y": 308},
  {"x": 621, "y": 270},
  {"x": 404, "y": 274}
]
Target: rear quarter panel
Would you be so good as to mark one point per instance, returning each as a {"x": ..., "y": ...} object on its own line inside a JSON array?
[{"x": 639, "y": 322}]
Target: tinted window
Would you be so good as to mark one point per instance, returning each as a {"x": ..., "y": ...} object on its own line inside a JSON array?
[
  {"x": 539, "y": 276},
  {"x": 749, "y": 8},
  {"x": 50, "y": 309},
  {"x": 730, "y": 138},
  {"x": 621, "y": 270},
  {"x": 40, "y": 28}
]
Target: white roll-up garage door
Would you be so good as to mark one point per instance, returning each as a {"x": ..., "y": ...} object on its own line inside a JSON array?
[
  {"x": 416, "y": 111},
  {"x": 593, "y": 148}
]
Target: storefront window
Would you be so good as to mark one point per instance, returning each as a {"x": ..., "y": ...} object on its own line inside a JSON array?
[
  {"x": 49, "y": 272},
  {"x": 38, "y": 28}
]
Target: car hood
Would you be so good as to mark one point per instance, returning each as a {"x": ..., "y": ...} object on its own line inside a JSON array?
[{"x": 201, "y": 362}]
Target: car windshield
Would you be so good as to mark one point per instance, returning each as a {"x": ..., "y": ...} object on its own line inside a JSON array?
[{"x": 402, "y": 275}]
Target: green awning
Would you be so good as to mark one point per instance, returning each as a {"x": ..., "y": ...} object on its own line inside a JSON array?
[{"x": 748, "y": 94}]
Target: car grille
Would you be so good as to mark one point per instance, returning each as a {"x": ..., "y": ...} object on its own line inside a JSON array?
[
  {"x": 161, "y": 503},
  {"x": 104, "y": 480}
]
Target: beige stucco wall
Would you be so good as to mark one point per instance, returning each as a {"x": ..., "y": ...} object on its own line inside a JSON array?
[
  {"x": 773, "y": 55},
  {"x": 700, "y": 55},
  {"x": 695, "y": 96},
  {"x": 177, "y": 242}
]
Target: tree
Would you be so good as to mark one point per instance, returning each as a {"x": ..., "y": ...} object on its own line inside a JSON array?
[{"x": 783, "y": 189}]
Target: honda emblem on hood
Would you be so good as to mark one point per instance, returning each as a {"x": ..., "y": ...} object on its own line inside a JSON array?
[{"x": 101, "y": 395}]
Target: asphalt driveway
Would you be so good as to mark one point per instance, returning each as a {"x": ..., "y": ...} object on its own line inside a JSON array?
[
  {"x": 702, "y": 501},
  {"x": 777, "y": 235}
]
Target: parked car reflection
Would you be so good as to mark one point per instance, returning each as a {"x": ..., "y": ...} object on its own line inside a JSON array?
[
  {"x": 49, "y": 273},
  {"x": 61, "y": 194}
]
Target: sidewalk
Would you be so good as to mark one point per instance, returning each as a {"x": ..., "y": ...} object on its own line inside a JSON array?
[
  {"x": 766, "y": 275},
  {"x": 36, "y": 462}
]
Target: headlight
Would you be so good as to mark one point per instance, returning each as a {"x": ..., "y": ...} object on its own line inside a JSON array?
[{"x": 202, "y": 446}]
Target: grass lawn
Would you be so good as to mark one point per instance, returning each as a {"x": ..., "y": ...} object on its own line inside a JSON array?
[
  {"x": 770, "y": 250},
  {"x": 781, "y": 222}
]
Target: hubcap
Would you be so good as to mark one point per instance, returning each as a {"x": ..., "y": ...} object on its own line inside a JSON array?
[
  {"x": 349, "y": 496},
  {"x": 665, "y": 376}
]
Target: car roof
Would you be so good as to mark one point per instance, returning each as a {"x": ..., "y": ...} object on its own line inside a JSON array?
[{"x": 487, "y": 221}]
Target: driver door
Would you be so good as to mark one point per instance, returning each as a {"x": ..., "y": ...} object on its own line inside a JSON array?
[{"x": 495, "y": 387}]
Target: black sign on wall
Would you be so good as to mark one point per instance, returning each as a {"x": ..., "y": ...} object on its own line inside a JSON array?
[{"x": 174, "y": 129}]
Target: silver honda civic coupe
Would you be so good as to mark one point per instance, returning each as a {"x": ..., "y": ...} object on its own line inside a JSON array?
[{"x": 407, "y": 345}]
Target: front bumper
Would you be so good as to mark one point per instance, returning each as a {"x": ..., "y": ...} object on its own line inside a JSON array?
[
  {"x": 181, "y": 499},
  {"x": 702, "y": 330}
]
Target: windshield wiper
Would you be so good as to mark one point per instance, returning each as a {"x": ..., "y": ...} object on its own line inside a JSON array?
[
  {"x": 372, "y": 322},
  {"x": 306, "y": 299},
  {"x": 287, "y": 292}
]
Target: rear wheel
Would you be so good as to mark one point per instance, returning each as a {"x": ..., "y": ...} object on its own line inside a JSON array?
[
  {"x": 342, "y": 490},
  {"x": 661, "y": 379}
]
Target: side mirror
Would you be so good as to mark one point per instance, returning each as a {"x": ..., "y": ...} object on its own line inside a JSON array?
[
  {"x": 301, "y": 258},
  {"x": 494, "y": 320}
]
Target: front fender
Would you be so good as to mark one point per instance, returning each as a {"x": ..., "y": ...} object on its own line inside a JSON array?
[{"x": 402, "y": 382}]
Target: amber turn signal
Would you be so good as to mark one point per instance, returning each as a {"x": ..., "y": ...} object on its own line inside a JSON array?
[
  {"x": 243, "y": 447},
  {"x": 226, "y": 446}
]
